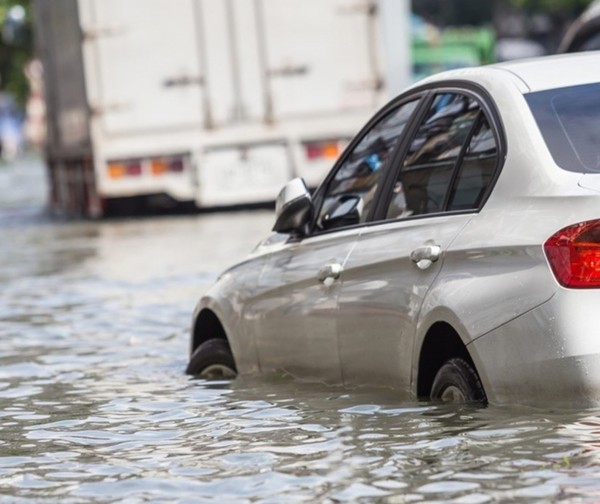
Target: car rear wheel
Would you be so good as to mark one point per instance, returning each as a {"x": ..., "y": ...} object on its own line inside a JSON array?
[
  {"x": 457, "y": 382},
  {"x": 212, "y": 359}
]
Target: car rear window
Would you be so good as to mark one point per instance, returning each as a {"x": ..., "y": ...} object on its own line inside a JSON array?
[{"x": 569, "y": 119}]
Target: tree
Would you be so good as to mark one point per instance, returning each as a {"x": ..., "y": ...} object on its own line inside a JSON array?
[{"x": 16, "y": 46}]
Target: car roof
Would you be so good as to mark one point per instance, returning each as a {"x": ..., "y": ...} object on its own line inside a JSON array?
[{"x": 536, "y": 74}]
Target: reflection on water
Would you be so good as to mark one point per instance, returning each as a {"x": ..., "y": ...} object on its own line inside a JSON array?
[{"x": 94, "y": 405}]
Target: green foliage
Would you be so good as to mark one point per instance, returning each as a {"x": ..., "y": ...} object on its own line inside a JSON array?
[{"x": 15, "y": 51}]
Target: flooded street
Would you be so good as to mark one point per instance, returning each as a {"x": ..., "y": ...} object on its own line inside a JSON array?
[{"x": 95, "y": 406}]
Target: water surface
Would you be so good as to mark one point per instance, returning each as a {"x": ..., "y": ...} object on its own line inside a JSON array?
[{"x": 95, "y": 407}]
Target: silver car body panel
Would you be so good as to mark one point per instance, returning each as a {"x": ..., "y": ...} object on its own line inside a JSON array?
[
  {"x": 590, "y": 181},
  {"x": 519, "y": 363},
  {"x": 227, "y": 297}
]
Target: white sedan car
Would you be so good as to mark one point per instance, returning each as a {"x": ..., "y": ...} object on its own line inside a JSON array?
[{"x": 453, "y": 251}]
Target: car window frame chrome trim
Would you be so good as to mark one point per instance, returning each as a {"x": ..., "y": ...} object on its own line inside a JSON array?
[{"x": 490, "y": 112}]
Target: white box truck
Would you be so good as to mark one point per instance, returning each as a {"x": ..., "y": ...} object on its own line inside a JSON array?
[{"x": 208, "y": 103}]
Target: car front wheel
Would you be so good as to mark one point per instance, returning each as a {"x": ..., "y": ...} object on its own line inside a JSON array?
[
  {"x": 212, "y": 359},
  {"x": 457, "y": 382}
]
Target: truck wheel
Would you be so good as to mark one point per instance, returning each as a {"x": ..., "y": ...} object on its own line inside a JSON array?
[
  {"x": 212, "y": 359},
  {"x": 457, "y": 382}
]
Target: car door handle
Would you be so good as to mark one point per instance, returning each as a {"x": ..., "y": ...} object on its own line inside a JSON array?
[
  {"x": 330, "y": 271},
  {"x": 426, "y": 255}
]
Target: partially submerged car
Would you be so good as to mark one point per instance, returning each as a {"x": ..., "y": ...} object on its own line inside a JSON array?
[{"x": 453, "y": 251}]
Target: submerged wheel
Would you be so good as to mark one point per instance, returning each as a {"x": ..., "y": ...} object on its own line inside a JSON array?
[
  {"x": 212, "y": 359},
  {"x": 457, "y": 382}
]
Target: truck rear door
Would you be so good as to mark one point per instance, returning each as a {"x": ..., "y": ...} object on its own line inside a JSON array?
[
  {"x": 162, "y": 64},
  {"x": 321, "y": 56},
  {"x": 146, "y": 68}
]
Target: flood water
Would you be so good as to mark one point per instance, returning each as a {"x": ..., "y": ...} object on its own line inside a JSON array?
[{"x": 95, "y": 407}]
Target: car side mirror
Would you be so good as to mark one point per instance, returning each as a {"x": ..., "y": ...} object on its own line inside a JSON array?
[
  {"x": 293, "y": 208},
  {"x": 346, "y": 213}
]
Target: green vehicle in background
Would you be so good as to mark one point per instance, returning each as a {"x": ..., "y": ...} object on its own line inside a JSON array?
[{"x": 435, "y": 50}]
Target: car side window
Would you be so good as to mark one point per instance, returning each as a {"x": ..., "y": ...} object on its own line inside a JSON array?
[
  {"x": 476, "y": 170},
  {"x": 349, "y": 195},
  {"x": 428, "y": 167}
]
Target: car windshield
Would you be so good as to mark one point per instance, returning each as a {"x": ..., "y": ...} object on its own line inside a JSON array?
[{"x": 569, "y": 119}]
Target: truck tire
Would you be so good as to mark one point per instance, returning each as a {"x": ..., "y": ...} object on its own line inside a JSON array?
[
  {"x": 457, "y": 382},
  {"x": 212, "y": 359}
]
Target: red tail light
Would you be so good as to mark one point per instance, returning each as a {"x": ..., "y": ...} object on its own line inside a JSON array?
[
  {"x": 176, "y": 165},
  {"x": 162, "y": 165},
  {"x": 134, "y": 168},
  {"x": 574, "y": 255}
]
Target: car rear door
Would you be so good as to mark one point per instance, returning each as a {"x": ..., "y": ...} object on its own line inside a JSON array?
[{"x": 441, "y": 181}]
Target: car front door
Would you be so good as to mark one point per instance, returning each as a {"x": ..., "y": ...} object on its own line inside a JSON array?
[
  {"x": 294, "y": 318},
  {"x": 440, "y": 182}
]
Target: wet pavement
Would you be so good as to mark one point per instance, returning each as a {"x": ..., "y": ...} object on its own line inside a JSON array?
[{"x": 95, "y": 407}]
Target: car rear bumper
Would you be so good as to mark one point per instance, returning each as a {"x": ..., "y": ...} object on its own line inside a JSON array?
[{"x": 549, "y": 355}]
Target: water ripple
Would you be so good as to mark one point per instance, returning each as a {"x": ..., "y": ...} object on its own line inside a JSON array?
[{"x": 95, "y": 407}]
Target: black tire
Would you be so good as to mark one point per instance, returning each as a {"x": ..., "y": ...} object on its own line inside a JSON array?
[
  {"x": 212, "y": 359},
  {"x": 457, "y": 381}
]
